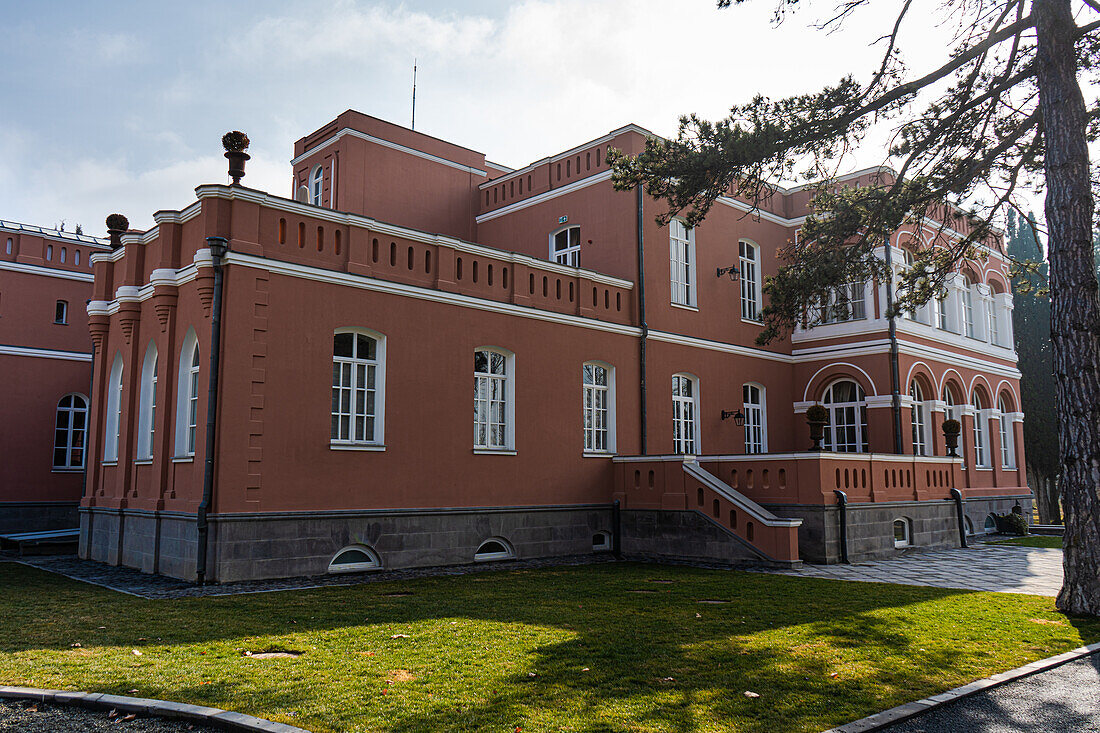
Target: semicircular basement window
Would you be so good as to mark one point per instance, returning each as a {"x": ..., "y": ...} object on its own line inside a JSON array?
[
  {"x": 354, "y": 559},
  {"x": 494, "y": 548}
]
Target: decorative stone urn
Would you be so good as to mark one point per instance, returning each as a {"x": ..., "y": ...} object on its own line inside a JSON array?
[
  {"x": 951, "y": 430},
  {"x": 817, "y": 417}
]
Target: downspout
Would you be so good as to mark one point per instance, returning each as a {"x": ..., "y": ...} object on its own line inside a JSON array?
[
  {"x": 218, "y": 247},
  {"x": 87, "y": 420},
  {"x": 958, "y": 497},
  {"x": 895, "y": 378},
  {"x": 642, "y": 321},
  {"x": 842, "y": 503}
]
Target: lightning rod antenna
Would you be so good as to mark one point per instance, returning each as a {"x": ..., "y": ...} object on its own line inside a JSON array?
[{"x": 414, "y": 95}]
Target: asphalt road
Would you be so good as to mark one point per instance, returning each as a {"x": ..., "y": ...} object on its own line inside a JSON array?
[{"x": 1065, "y": 699}]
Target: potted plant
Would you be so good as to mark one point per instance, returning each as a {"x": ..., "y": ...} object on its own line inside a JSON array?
[
  {"x": 816, "y": 417},
  {"x": 116, "y": 225},
  {"x": 235, "y": 143},
  {"x": 951, "y": 430}
]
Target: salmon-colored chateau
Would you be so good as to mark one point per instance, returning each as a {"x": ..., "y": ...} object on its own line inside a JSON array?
[
  {"x": 46, "y": 363},
  {"x": 424, "y": 358}
]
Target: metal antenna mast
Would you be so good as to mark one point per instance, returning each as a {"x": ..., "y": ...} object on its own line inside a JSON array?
[{"x": 414, "y": 95}]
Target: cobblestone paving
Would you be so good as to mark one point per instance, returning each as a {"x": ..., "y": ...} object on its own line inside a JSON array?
[{"x": 981, "y": 567}]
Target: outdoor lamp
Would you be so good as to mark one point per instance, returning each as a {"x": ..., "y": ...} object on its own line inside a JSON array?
[{"x": 738, "y": 417}]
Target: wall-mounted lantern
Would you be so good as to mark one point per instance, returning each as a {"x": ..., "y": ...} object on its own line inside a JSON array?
[{"x": 738, "y": 417}]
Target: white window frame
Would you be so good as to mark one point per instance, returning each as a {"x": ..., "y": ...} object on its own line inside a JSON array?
[
  {"x": 685, "y": 415},
  {"x": 186, "y": 428},
  {"x": 373, "y": 563},
  {"x": 112, "y": 429},
  {"x": 482, "y": 556},
  {"x": 1008, "y": 436},
  {"x": 484, "y": 385},
  {"x": 856, "y": 295},
  {"x": 64, "y": 308},
  {"x": 147, "y": 404},
  {"x": 571, "y": 255},
  {"x": 70, "y": 434},
  {"x": 838, "y": 417},
  {"x": 750, "y": 277},
  {"x": 907, "y": 540},
  {"x": 756, "y": 417},
  {"x": 681, "y": 242},
  {"x": 981, "y": 433},
  {"x": 592, "y": 395},
  {"x": 918, "y": 420},
  {"x": 317, "y": 186},
  {"x": 967, "y": 294},
  {"x": 353, "y": 365}
]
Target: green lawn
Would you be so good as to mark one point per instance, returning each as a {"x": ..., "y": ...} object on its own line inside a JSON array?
[
  {"x": 618, "y": 647},
  {"x": 1034, "y": 540}
]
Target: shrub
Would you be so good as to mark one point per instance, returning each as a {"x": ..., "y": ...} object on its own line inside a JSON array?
[
  {"x": 951, "y": 427},
  {"x": 817, "y": 413},
  {"x": 235, "y": 141},
  {"x": 118, "y": 222},
  {"x": 1011, "y": 523}
]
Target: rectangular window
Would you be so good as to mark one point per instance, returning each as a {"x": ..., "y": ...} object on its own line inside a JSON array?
[
  {"x": 968, "y": 310},
  {"x": 490, "y": 400},
  {"x": 994, "y": 332},
  {"x": 940, "y": 304},
  {"x": 846, "y": 303},
  {"x": 597, "y": 409},
  {"x": 355, "y": 364},
  {"x": 756, "y": 435},
  {"x": 682, "y": 262},
  {"x": 193, "y": 402},
  {"x": 750, "y": 281},
  {"x": 61, "y": 312}
]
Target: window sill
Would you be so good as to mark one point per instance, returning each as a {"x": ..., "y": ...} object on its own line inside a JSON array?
[
  {"x": 183, "y": 459},
  {"x": 108, "y": 463},
  {"x": 685, "y": 307},
  {"x": 365, "y": 447},
  {"x": 494, "y": 452},
  {"x": 62, "y": 469},
  {"x": 60, "y": 323},
  {"x": 598, "y": 454},
  {"x": 752, "y": 322},
  {"x": 143, "y": 462},
  {"x": 982, "y": 468}
]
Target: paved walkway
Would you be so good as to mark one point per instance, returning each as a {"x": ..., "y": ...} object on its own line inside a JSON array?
[
  {"x": 1066, "y": 698},
  {"x": 982, "y": 567}
]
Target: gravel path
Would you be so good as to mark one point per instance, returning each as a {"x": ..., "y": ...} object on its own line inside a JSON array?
[
  {"x": 36, "y": 717},
  {"x": 1064, "y": 699}
]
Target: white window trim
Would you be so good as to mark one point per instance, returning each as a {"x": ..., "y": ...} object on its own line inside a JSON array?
[
  {"x": 375, "y": 562},
  {"x": 763, "y": 415},
  {"x": 554, "y": 254},
  {"x": 508, "y": 554},
  {"x": 113, "y": 419},
  {"x": 1008, "y": 437},
  {"x": 377, "y": 441},
  {"x": 754, "y": 283},
  {"x": 862, "y": 439},
  {"x": 609, "y": 390},
  {"x": 686, "y": 266},
  {"x": 183, "y": 396},
  {"x": 984, "y": 459},
  {"x": 694, "y": 400},
  {"x": 908, "y": 541},
  {"x": 317, "y": 186},
  {"x": 509, "y": 446},
  {"x": 70, "y": 432},
  {"x": 920, "y": 409},
  {"x": 147, "y": 404}
]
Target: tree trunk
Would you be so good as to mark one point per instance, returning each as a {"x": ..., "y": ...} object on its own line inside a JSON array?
[
  {"x": 1054, "y": 509},
  {"x": 1075, "y": 301}
]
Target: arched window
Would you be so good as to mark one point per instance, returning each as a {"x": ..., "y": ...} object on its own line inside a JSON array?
[
  {"x": 682, "y": 262},
  {"x": 565, "y": 246},
  {"x": 70, "y": 429},
  {"x": 981, "y": 432},
  {"x": 847, "y": 428},
  {"x": 61, "y": 312},
  {"x": 355, "y": 559},
  {"x": 918, "y": 420},
  {"x": 8, "y": 247},
  {"x": 147, "y": 404},
  {"x": 187, "y": 396},
  {"x": 1008, "y": 438},
  {"x": 112, "y": 428},
  {"x": 903, "y": 532},
  {"x": 494, "y": 402},
  {"x": 358, "y": 387},
  {"x": 49, "y": 252},
  {"x": 494, "y": 548},
  {"x": 598, "y": 386},
  {"x": 685, "y": 414},
  {"x": 990, "y": 524},
  {"x": 750, "y": 280},
  {"x": 756, "y": 418},
  {"x": 601, "y": 541},
  {"x": 316, "y": 185}
]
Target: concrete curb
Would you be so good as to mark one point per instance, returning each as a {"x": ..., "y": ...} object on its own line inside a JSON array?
[
  {"x": 215, "y": 717},
  {"x": 878, "y": 721}
]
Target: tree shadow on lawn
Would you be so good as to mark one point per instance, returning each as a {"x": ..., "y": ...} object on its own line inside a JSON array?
[{"x": 657, "y": 659}]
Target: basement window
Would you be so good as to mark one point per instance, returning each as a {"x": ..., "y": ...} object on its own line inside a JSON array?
[
  {"x": 354, "y": 559},
  {"x": 902, "y": 533},
  {"x": 601, "y": 541},
  {"x": 494, "y": 548}
]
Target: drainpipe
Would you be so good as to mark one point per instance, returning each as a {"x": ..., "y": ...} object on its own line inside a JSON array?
[
  {"x": 842, "y": 503},
  {"x": 895, "y": 378},
  {"x": 218, "y": 248},
  {"x": 642, "y": 322},
  {"x": 958, "y": 497}
]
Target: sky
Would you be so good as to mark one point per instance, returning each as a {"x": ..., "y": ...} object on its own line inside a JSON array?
[{"x": 120, "y": 106}]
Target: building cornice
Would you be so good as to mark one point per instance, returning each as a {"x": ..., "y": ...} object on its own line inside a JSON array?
[
  {"x": 386, "y": 144},
  {"x": 30, "y": 351},
  {"x": 86, "y": 277}
]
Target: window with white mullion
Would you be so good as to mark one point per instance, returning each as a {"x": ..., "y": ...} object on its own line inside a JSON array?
[
  {"x": 355, "y": 365},
  {"x": 994, "y": 331},
  {"x": 70, "y": 429},
  {"x": 846, "y": 303},
  {"x": 967, "y": 295},
  {"x": 749, "y": 255},
  {"x": 981, "y": 434},
  {"x": 566, "y": 247},
  {"x": 596, "y": 409},
  {"x": 846, "y": 431},
  {"x": 193, "y": 402},
  {"x": 1008, "y": 438},
  {"x": 918, "y": 420},
  {"x": 682, "y": 263},
  {"x": 684, "y": 426},
  {"x": 490, "y": 400},
  {"x": 756, "y": 431}
]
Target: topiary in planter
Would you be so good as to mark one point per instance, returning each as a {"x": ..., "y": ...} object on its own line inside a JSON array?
[
  {"x": 817, "y": 413},
  {"x": 951, "y": 430},
  {"x": 235, "y": 142},
  {"x": 118, "y": 223},
  {"x": 816, "y": 417},
  {"x": 952, "y": 427}
]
